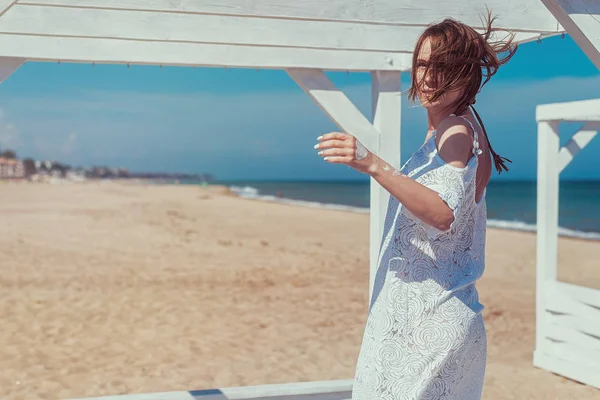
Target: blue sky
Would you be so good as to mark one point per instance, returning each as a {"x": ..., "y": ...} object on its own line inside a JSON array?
[{"x": 244, "y": 124}]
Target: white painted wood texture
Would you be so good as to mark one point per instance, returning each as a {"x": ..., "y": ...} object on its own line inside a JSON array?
[
  {"x": 589, "y": 326},
  {"x": 146, "y": 396},
  {"x": 569, "y": 335},
  {"x": 374, "y": 46},
  {"x": 560, "y": 303},
  {"x": 547, "y": 220},
  {"x": 520, "y": 15},
  {"x": 577, "y": 142},
  {"x": 582, "y": 294},
  {"x": 8, "y": 66},
  {"x": 584, "y": 110},
  {"x": 581, "y": 18},
  {"x": 572, "y": 370},
  {"x": 337, "y": 106},
  {"x": 289, "y": 389},
  {"x": 5, "y": 5},
  {"x": 571, "y": 351},
  {"x": 327, "y": 390},
  {"x": 202, "y": 28},
  {"x": 567, "y": 315},
  {"x": 84, "y": 50},
  {"x": 386, "y": 110}
]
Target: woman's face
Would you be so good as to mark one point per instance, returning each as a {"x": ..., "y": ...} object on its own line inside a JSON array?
[{"x": 428, "y": 84}]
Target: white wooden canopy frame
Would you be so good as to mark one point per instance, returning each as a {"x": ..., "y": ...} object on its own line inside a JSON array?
[
  {"x": 306, "y": 38},
  {"x": 567, "y": 315}
]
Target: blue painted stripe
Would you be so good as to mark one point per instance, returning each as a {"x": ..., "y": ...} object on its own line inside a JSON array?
[{"x": 207, "y": 392}]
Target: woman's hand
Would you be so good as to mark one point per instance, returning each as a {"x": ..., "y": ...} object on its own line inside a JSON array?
[{"x": 342, "y": 148}]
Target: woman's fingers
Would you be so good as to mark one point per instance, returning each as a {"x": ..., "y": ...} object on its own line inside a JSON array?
[
  {"x": 333, "y": 135},
  {"x": 337, "y": 148},
  {"x": 340, "y": 152},
  {"x": 338, "y": 160},
  {"x": 332, "y": 143}
]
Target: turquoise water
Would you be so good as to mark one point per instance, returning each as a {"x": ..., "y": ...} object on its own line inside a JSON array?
[{"x": 510, "y": 204}]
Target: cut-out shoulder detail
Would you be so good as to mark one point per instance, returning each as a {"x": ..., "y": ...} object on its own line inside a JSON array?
[
  {"x": 476, "y": 150},
  {"x": 454, "y": 142}
]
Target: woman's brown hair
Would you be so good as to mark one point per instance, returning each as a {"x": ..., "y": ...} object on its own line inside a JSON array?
[{"x": 460, "y": 60}]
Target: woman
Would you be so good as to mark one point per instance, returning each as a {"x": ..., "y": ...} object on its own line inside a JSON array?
[{"x": 425, "y": 337}]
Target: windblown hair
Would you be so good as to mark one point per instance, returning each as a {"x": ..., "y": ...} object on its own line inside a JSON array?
[{"x": 461, "y": 59}]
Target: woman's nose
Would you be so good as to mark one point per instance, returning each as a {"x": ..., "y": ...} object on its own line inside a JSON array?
[{"x": 428, "y": 81}]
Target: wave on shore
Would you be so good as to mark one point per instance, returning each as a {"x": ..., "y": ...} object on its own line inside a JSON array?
[{"x": 253, "y": 193}]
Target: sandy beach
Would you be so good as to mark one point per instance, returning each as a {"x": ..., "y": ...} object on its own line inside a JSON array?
[{"x": 110, "y": 288}]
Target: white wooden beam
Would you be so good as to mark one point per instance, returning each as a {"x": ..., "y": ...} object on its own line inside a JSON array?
[
  {"x": 5, "y": 5},
  {"x": 203, "y": 28},
  {"x": 577, "y": 142},
  {"x": 89, "y": 23},
  {"x": 180, "y": 395},
  {"x": 514, "y": 14},
  {"x": 8, "y": 66},
  {"x": 581, "y": 19},
  {"x": 547, "y": 221},
  {"x": 584, "y": 110},
  {"x": 337, "y": 106},
  {"x": 315, "y": 390},
  {"x": 333, "y": 388},
  {"x": 113, "y": 51},
  {"x": 386, "y": 100}
]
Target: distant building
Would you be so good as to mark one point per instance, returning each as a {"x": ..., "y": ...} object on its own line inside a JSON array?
[{"x": 11, "y": 168}]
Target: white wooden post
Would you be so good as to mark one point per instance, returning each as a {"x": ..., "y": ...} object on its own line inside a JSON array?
[
  {"x": 386, "y": 99},
  {"x": 547, "y": 221},
  {"x": 8, "y": 66}
]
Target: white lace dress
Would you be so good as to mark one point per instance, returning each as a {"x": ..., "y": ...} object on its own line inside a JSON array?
[{"x": 424, "y": 337}]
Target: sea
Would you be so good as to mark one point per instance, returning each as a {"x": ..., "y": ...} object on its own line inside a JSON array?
[{"x": 510, "y": 204}]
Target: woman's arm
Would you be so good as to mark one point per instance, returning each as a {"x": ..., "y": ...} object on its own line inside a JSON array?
[{"x": 454, "y": 143}]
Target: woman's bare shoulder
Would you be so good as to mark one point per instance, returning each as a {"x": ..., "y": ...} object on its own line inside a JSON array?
[{"x": 454, "y": 141}]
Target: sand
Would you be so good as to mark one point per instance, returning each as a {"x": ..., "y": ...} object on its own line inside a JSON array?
[{"x": 112, "y": 288}]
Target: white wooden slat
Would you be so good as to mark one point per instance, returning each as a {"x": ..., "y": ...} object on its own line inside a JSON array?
[
  {"x": 289, "y": 389},
  {"x": 514, "y": 14},
  {"x": 5, "y": 5},
  {"x": 581, "y": 18},
  {"x": 46, "y": 48},
  {"x": 566, "y": 334},
  {"x": 386, "y": 100},
  {"x": 337, "y": 106},
  {"x": 591, "y": 326},
  {"x": 8, "y": 66},
  {"x": 572, "y": 351},
  {"x": 585, "y": 295},
  {"x": 584, "y": 110},
  {"x": 178, "y": 27},
  {"x": 560, "y": 303},
  {"x": 579, "y": 140},
  {"x": 146, "y": 396},
  {"x": 547, "y": 220},
  {"x": 577, "y": 372}
]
